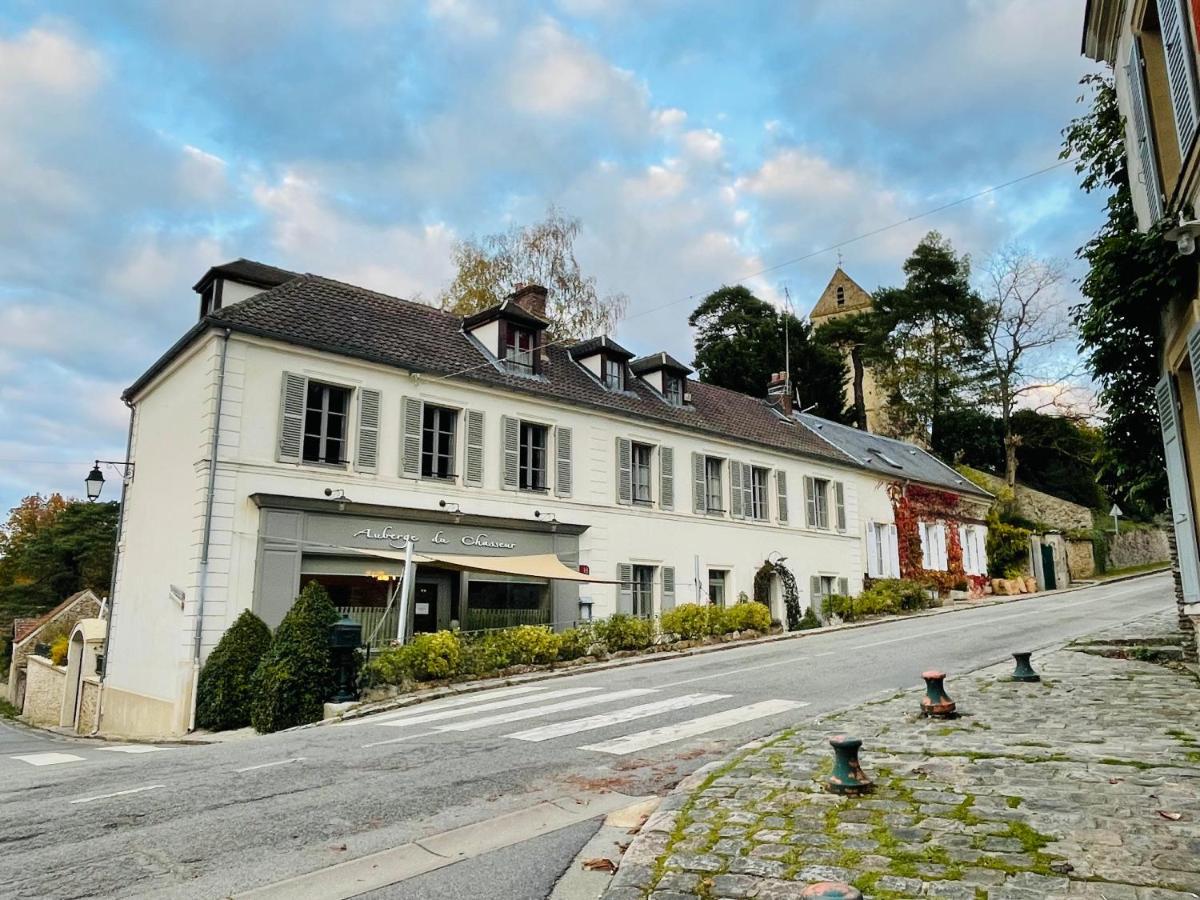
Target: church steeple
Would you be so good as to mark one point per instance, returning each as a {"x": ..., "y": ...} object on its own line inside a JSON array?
[{"x": 842, "y": 295}]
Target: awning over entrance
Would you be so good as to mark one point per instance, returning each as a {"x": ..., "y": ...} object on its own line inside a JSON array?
[{"x": 539, "y": 565}]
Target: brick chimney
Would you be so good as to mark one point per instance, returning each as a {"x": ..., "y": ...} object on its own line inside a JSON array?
[
  {"x": 778, "y": 391},
  {"x": 531, "y": 298}
]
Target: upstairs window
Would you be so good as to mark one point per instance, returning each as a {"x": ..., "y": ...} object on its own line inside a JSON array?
[
  {"x": 714, "y": 493},
  {"x": 817, "y": 500},
  {"x": 612, "y": 373},
  {"x": 325, "y": 410},
  {"x": 437, "y": 442},
  {"x": 758, "y": 493},
  {"x": 532, "y": 473},
  {"x": 673, "y": 389},
  {"x": 641, "y": 456},
  {"x": 519, "y": 346}
]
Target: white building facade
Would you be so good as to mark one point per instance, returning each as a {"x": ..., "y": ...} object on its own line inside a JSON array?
[{"x": 344, "y": 423}]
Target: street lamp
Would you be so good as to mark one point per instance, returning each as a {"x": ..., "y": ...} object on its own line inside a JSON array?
[{"x": 95, "y": 479}]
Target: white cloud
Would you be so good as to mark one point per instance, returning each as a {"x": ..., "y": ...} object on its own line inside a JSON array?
[
  {"x": 465, "y": 18},
  {"x": 42, "y": 61}
]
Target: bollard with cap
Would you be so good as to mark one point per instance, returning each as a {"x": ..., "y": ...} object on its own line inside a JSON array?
[
  {"x": 1024, "y": 671},
  {"x": 848, "y": 777},
  {"x": 936, "y": 702},
  {"x": 831, "y": 890}
]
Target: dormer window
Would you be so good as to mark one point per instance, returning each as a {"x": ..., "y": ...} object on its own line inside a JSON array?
[
  {"x": 613, "y": 370},
  {"x": 510, "y": 332},
  {"x": 664, "y": 373},
  {"x": 519, "y": 346},
  {"x": 604, "y": 359},
  {"x": 673, "y": 388}
]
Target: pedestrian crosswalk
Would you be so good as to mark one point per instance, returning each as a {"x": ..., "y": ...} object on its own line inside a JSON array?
[
  {"x": 497, "y": 709},
  {"x": 57, "y": 758}
]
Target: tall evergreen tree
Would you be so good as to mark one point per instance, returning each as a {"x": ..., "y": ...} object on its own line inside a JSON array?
[{"x": 740, "y": 344}]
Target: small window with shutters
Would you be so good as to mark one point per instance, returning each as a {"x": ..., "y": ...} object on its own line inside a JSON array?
[
  {"x": 438, "y": 431},
  {"x": 326, "y": 414},
  {"x": 642, "y": 455}
]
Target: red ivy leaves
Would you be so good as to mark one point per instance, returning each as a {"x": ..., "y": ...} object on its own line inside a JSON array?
[{"x": 912, "y": 504}]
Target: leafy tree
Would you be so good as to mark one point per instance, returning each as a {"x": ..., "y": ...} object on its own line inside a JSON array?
[
  {"x": 740, "y": 344},
  {"x": 50, "y": 548},
  {"x": 932, "y": 339},
  {"x": 295, "y": 677},
  {"x": 1058, "y": 455},
  {"x": 1131, "y": 276},
  {"x": 224, "y": 695},
  {"x": 970, "y": 436},
  {"x": 542, "y": 253},
  {"x": 857, "y": 336}
]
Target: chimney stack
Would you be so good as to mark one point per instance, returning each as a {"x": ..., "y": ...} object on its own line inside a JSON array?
[
  {"x": 531, "y": 298},
  {"x": 779, "y": 390}
]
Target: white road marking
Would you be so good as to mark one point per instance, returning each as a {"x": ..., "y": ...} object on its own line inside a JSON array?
[
  {"x": 436, "y": 705},
  {"x": 470, "y": 711},
  {"x": 399, "y": 740},
  {"x": 278, "y": 762},
  {"x": 643, "y": 740},
  {"x": 137, "y": 790},
  {"x": 133, "y": 748},
  {"x": 574, "y": 726},
  {"x": 48, "y": 759},
  {"x": 517, "y": 715},
  {"x": 790, "y": 661}
]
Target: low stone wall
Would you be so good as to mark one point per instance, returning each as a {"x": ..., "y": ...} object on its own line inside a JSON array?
[
  {"x": 44, "y": 685},
  {"x": 1081, "y": 559},
  {"x": 1042, "y": 507},
  {"x": 1138, "y": 548},
  {"x": 89, "y": 705}
]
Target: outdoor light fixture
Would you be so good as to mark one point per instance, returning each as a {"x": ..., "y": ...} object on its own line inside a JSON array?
[
  {"x": 544, "y": 516},
  {"x": 781, "y": 559},
  {"x": 95, "y": 479},
  {"x": 1184, "y": 235},
  {"x": 449, "y": 506}
]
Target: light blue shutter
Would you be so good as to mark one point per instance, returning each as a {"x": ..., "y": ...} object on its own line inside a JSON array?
[
  {"x": 291, "y": 417},
  {"x": 563, "y": 468},
  {"x": 624, "y": 588},
  {"x": 666, "y": 478},
  {"x": 668, "y": 588},
  {"x": 874, "y": 566},
  {"x": 410, "y": 450},
  {"x": 511, "y": 462},
  {"x": 624, "y": 471},
  {"x": 699, "y": 485},
  {"x": 473, "y": 471},
  {"x": 1177, "y": 481},
  {"x": 1181, "y": 70},
  {"x": 1139, "y": 109},
  {"x": 366, "y": 457},
  {"x": 781, "y": 497}
]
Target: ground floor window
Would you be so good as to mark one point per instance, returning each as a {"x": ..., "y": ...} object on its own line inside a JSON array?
[
  {"x": 717, "y": 586},
  {"x": 643, "y": 591},
  {"x": 503, "y": 604}
]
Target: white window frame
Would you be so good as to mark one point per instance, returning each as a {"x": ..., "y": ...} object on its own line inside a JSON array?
[
  {"x": 760, "y": 503},
  {"x": 457, "y": 414},
  {"x": 635, "y": 469},
  {"x": 714, "y": 501},
  {"x": 322, "y": 436},
  {"x": 525, "y": 466}
]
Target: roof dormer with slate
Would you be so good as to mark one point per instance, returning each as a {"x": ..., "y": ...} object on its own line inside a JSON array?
[
  {"x": 511, "y": 332},
  {"x": 605, "y": 359},
  {"x": 666, "y": 374},
  {"x": 234, "y": 281}
]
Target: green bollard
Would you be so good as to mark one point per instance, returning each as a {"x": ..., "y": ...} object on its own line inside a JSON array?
[
  {"x": 848, "y": 777},
  {"x": 831, "y": 890},
  {"x": 936, "y": 702},
  {"x": 1024, "y": 671}
]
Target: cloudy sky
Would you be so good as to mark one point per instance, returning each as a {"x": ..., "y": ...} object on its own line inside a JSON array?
[{"x": 699, "y": 142}]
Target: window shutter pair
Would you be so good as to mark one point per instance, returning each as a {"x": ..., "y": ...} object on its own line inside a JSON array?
[
  {"x": 1177, "y": 483},
  {"x": 1181, "y": 73},
  {"x": 564, "y": 468},
  {"x": 291, "y": 423},
  {"x": 668, "y": 588},
  {"x": 736, "y": 507},
  {"x": 666, "y": 478},
  {"x": 624, "y": 471},
  {"x": 839, "y": 505},
  {"x": 1139, "y": 108},
  {"x": 624, "y": 588},
  {"x": 810, "y": 501},
  {"x": 699, "y": 484},
  {"x": 781, "y": 498},
  {"x": 510, "y": 461}
]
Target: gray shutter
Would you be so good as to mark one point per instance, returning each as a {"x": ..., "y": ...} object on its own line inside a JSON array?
[
  {"x": 747, "y": 490},
  {"x": 563, "y": 468},
  {"x": 1177, "y": 482},
  {"x": 810, "y": 501},
  {"x": 666, "y": 478},
  {"x": 668, "y": 588},
  {"x": 814, "y": 594},
  {"x": 699, "y": 487},
  {"x": 839, "y": 502},
  {"x": 1181, "y": 72},
  {"x": 410, "y": 449},
  {"x": 624, "y": 588},
  {"x": 511, "y": 461},
  {"x": 844, "y": 587},
  {"x": 473, "y": 470},
  {"x": 781, "y": 497},
  {"x": 735, "y": 489},
  {"x": 366, "y": 458},
  {"x": 874, "y": 563},
  {"x": 624, "y": 471},
  {"x": 1139, "y": 108},
  {"x": 291, "y": 417}
]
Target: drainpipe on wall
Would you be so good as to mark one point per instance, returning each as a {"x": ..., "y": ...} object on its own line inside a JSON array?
[
  {"x": 207, "y": 541},
  {"x": 112, "y": 584}
]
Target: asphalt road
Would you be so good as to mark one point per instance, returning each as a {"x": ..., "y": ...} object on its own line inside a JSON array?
[{"x": 216, "y": 820}]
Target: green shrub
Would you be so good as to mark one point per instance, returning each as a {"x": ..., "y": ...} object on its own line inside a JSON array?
[
  {"x": 533, "y": 645},
  {"x": 841, "y": 606},
  {"x": 1007, "y": 548},
  {"x": 223, "y": 693},
  {"x": 691, "y": 621},
  {"x": 486, "y": 653},
  {"x": 389, "y": 665},
  {"x": 622, "y": 631},
  {"x": 60, "y": 649},
  {"x": 434, "y": 656},
  {"x": 295, "y": 676},
  {"x": 577, "y": 641},
  {"x": 747, "y": 615},
  {"x": 810, "y": 619}
]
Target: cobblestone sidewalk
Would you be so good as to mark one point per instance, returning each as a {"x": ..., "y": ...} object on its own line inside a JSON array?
[{"x": 1085, "y": 785}]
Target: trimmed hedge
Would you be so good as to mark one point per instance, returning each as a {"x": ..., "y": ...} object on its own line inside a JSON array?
[
  {"x": 223, "y": 694},
  {"x": 622, "y": 631},
  {"x": 885, "y": 597},
  {"x": 295, "y": 676}
]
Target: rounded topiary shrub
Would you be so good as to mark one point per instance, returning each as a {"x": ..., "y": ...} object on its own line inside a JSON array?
[
  {"x": 224, "y": 692},
  {"x": 295, "y": 676}
]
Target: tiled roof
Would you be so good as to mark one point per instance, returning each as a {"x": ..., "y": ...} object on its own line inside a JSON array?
[
  {"x": 890, "y": 457},
  {"x": 328, "y": 315},
  {"x": 595, "y": 345},
  {"x": 660, "y": 360},
  {"x": 248, "y": 271}
]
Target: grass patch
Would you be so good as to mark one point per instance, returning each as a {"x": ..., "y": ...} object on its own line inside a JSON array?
[
  {"x": 7, "y": 710},
  {"x": 1013, "y": 802}
]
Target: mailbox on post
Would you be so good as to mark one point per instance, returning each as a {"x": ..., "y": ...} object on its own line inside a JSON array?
[{"x": 345, "y": 637}]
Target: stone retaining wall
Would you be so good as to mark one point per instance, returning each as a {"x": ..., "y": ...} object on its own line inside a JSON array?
[
  {"x": 1138, "y": 548},
  {"x": 44, "y": 684},
  {"x": 1081, "y": 559}
]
